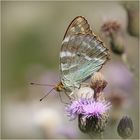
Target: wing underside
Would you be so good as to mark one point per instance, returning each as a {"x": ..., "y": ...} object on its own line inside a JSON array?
[
  {"x": 78, "y": 25},
  {"x": 81, "y": 56},
  {"x": 82, "y": 53}
]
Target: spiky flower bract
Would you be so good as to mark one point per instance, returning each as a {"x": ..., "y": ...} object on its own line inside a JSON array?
[{"x": 93, "y": 124}]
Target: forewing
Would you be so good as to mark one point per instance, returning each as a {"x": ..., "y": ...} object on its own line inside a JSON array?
[
  {"x": 81, "y": 56},
  {"x": 78, "y": 25}
]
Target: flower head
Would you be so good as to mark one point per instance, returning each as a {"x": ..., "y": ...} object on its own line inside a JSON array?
[
  {"x": 75, "y": 108},
  {"x": 87, "y": 107},
  {"x": 96, "y": 109}
]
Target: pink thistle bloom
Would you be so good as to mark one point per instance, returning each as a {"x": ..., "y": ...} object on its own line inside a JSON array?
[
  {"x": 87, "y": 107},
  {"x": 95, "y": 108},
  {"x": 75, "y": 108}
]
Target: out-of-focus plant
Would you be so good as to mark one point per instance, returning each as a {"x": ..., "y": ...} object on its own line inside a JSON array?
[
  {"x": 48, "y": 120},
  {"x": 132, "y": 8},
  {"x": 51, "y": 124},
  {"x": 112, "y": 30},
  {"x": 119, "y": 77},
  {"x": 118, "y": 101}
]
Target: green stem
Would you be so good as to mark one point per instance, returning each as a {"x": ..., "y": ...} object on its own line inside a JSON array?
[
  {"x": 101, "y": 135},
  {"x": 125, "y": 60}
]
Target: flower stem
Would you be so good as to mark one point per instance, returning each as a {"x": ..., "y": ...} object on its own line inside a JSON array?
[
  {"x": 101, "y": 135},
  {"x": 125, "y": 60}
]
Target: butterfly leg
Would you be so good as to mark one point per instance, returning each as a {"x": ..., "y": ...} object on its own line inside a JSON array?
[
  {"x": 84, "y": 84},
  {"x": 62, "y": 99},
  {"x": 67, "y": 95}
]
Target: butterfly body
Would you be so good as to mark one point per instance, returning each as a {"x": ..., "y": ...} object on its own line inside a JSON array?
[{"x": 59, "y": 87}]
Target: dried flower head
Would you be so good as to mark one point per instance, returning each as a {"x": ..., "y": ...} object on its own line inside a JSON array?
[
  {"x": 98, "y": 83},
  {"x": 125, "y": 127},
  {"x": 110, "y": 26}
]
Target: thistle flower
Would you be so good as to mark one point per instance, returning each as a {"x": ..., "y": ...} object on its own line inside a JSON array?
[
  {"x": 90, "y": 106},
  {"x": 87, "y": 107},
  {"x": 125, "y": 127},
  {"x": 96, "y": 109},
  {"x": 92, "y": 115},
  {"x": 75, "y": 108}
]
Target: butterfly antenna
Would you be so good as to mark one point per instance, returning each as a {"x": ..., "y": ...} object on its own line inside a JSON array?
[
  {"x": 38, "y": 84},
  {"x": 46, "y": 94}
]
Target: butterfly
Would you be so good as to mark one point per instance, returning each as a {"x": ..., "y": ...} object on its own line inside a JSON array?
[{"x": 82, "y": 54}]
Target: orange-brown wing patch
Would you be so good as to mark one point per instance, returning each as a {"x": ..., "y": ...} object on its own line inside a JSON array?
[{"x": 78, "y": 25}]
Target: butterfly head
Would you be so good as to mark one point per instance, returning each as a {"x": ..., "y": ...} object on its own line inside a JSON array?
[{"x": 59, "y": 87}]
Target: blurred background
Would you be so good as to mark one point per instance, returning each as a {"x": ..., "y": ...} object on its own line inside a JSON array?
[{"x": 32, "y": 34}]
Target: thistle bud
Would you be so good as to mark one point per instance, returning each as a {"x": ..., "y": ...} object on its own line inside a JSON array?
[
  {"x": 98, "y": 83},
  {"x": 125, "y": 127}
]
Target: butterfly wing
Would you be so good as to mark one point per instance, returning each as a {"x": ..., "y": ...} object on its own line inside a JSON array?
[
  {"x": 82, "y": 55},
  {"x": 78, "y": 25}
]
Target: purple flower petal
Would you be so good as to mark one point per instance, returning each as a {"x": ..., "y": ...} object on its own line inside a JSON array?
[{"x": 87, "y": 107}]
